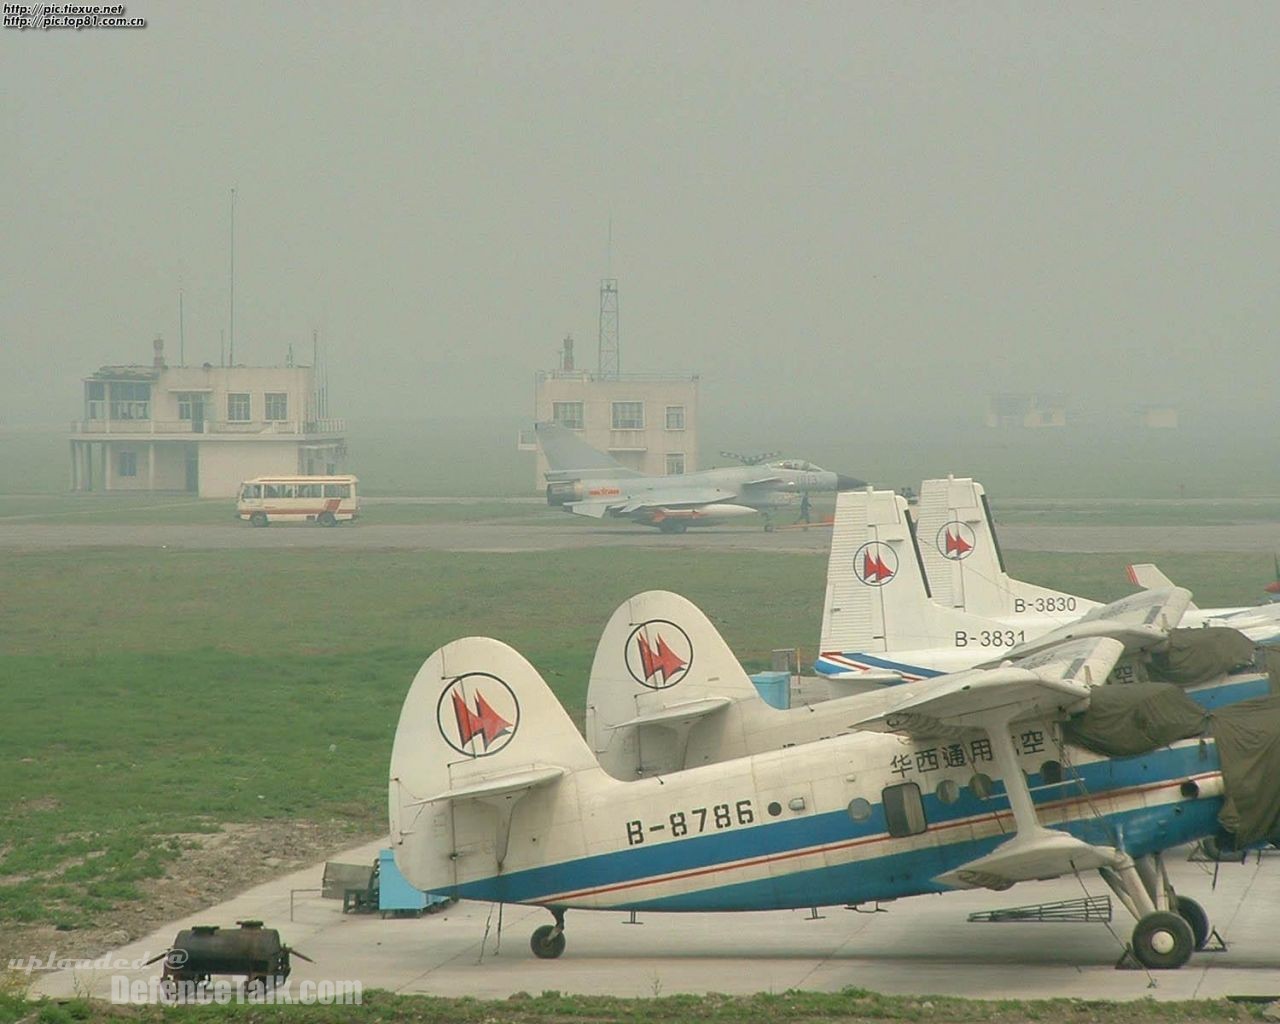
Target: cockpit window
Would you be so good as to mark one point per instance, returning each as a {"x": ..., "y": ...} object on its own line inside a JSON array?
[{"x": 796, "y": 464}]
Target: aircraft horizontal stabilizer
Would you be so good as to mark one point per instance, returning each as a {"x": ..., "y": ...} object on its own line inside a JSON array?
[
  {"x": 1045, "y": 853},
  {"x": 682, "y": 713},
  {"x": 499, "y": 785}
]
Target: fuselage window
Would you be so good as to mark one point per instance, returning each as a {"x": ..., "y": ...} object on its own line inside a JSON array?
[
  {"x": 903, "y": 809},
  {"x": 859, "y": 809},
  {"x": 1051, "y": 772}
]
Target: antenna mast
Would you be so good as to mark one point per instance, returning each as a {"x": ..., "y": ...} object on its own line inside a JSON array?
[{"x": 232, "y": 360}]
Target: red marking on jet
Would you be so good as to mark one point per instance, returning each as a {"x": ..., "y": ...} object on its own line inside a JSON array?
[
  {"x": 483, "y": 722},
  {"x": 957, "y": 545},
  {"x": 874, "y": 569},
  {"x": 665, "y": 661}
]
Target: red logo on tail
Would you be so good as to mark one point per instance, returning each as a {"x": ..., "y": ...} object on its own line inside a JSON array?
[
  {"x": 483, "y": 722},
  {"x": 955, "y": 540},
  {"x": 665, "y": 662},
  {"x": 875, "y": 563},
  {"x": 658, "y": 654},
  {"x": 873, "y": 568}
]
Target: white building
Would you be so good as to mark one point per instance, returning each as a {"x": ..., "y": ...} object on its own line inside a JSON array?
[
  {"x": 200, "y": 429},
  {"x": 647, "y": 421}
]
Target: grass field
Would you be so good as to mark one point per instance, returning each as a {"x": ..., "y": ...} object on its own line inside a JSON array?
[
  {"x": 151, "y": 694},
  {"x": 847, "y": 1007}
]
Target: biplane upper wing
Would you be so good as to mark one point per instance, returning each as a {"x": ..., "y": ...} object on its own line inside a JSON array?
[{"x": 1051, "y": 683}]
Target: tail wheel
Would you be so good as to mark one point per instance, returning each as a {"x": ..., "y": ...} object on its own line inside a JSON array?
[
  {"x": 258, "y": 519},
  {"x": 326, "y": 519},
  {"x": 547, "y": 942},
  {"x": 1163, "y": 941},
  {"x": 1191, "y": 912}
]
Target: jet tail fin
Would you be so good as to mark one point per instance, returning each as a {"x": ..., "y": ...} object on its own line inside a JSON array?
[
  {"x": 569, "y": 456},
  {"x": 481, "y": 740},
  {"x": 665, "y": 690}
]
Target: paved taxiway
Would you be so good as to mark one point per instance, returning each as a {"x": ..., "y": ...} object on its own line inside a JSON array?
[
  {"x": 920, "y": 946},
  {"x": 544, "y": 535}
]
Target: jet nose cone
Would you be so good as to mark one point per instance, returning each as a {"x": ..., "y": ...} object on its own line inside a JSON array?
[{"x": 849, "y": 483}]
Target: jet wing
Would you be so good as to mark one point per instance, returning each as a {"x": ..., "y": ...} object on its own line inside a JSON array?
[
  {"x": 1140, "y": 621},
  {"x": 630, "y": 504}
]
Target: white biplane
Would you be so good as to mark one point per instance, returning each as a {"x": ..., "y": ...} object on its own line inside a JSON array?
[{"x": 963, "y": 781}]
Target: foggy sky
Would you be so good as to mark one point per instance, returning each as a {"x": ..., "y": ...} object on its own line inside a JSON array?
[{"x": 848, "y": 206}]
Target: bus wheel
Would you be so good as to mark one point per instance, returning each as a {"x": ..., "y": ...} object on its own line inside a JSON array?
[
  {"x": 258, "y": 519},
  {"x": 326, "y": 519}
]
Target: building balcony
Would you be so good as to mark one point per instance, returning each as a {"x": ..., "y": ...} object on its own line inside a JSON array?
[{"x": 223, "y": 428}]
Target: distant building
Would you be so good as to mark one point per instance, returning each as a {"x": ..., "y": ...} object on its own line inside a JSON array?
[
  {"x": 647, "y": 421},
  {"x": 1029, "y": 411},
  {"x": 200, "y": 429}
]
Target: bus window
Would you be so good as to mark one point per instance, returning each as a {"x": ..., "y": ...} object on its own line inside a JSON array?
[
  {"x": 308, "y": 490},
  {"x": 337, "y": 490},
  {"x": 273, "y": 490}
]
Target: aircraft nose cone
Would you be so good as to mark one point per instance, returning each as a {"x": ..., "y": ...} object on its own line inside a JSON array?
[{"x": 849, "y": 483}]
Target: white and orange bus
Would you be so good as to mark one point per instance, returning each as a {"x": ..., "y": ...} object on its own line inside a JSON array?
[{"x": 326, "y": 500}]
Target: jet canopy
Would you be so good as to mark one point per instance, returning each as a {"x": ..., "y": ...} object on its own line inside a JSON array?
[{"x": 797, "y": 464}]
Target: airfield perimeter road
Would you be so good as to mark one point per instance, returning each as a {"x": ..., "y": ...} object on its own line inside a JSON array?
[
  {"x": 920, "y": 946},
  {"x": 522, "y": 535}
]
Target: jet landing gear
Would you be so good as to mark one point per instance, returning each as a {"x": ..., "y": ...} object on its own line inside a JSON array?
[
  {"x": 1169, "y": 927},
  {"x": 548, "y": 941}
]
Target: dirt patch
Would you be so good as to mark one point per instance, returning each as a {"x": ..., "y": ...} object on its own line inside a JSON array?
[{"x": 212, "y": 867}]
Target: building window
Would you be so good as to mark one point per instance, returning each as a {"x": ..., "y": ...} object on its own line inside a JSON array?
[
  {"x": 568, "y": 414},
  {"x": 95, "y": 400},
  {"x": 128, "y": 463},
  {"x": 675, "y": 417},
  {"x": 628, "y": 415},
  {"x": 184, "y": 407},
  {"x": 903, "y": 809},
  {"x": 277, "y": 406},
  {"x": 675, "y": 463},
  {"x": 238, "y": 408},
  {"x": 130, "y": 400}
]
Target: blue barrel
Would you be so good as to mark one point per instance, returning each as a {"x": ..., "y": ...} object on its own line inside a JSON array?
[{"x": 774, "y": 688}]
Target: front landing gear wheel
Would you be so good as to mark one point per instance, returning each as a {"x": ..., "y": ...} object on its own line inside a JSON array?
[
  {"x": 547, "y": 942},
  {"x": 1163, "y": 941},
  {"x": 1191, "y": 912}
]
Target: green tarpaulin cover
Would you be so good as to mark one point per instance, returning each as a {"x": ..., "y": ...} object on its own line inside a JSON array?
[{"x": 1126, "y": 720}]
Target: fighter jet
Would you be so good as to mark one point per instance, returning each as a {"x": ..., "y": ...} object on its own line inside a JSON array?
[{"x": 588, "y": 482}]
